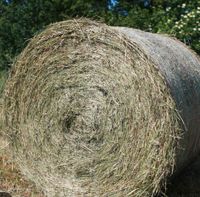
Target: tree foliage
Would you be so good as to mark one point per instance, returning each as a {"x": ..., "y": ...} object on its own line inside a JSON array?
[
  {"x": 179, "y": 18},
  {"x": 21, "y": 19}
]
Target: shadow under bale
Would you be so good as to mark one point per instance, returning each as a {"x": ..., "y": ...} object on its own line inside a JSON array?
[{"x": 93, "y": 110}]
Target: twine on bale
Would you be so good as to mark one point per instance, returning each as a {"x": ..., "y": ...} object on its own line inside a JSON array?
[{"x": 89, "y": 113}]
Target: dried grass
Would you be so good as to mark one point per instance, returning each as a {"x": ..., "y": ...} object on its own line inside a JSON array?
[
  {"x": 89, "y": 112},
  {"x": 11, "y": 180}
]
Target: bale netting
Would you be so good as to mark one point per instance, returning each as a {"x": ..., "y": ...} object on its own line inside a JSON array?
[{"x": 93, "y": 110}]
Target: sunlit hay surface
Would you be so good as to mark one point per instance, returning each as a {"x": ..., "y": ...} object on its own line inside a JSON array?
[{"x": 88, "y": 114}]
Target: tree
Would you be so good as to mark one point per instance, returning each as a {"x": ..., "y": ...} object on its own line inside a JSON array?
[
  {"x": 182, "y": 20},
  {"x": 21, "y": 19},
  {"x": 179, "y": 18}
]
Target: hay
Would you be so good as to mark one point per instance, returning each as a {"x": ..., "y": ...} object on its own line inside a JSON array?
[
  {"x": 93, "y": 110},
  {"x": 3, "y": 77}
]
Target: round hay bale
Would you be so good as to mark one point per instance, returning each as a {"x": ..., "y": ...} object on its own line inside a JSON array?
[{"x": 93, "y": 110}]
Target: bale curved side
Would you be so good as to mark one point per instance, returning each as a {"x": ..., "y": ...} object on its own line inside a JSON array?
[
  {"x": 90, "y": 114},
  {"x": 181, "y": 69}
]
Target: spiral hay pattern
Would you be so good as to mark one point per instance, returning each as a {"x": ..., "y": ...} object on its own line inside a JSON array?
[{"x": 89, "y": 113}]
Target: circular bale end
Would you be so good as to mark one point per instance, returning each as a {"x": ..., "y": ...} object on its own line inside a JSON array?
[{"x": 88, "y": 114}]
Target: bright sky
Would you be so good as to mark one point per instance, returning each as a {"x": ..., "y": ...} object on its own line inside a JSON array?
[{"x": 114, "y": 2}]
